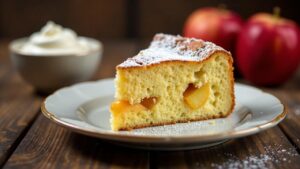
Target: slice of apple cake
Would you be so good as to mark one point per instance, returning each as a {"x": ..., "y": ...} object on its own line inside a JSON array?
[{"x": 175, "y": 80}]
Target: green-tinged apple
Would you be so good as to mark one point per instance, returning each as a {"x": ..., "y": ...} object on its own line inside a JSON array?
[
  {"x": 268, "y": 49},
  {"x": 217, "y": 25}
]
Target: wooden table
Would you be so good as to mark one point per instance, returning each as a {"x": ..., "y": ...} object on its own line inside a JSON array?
[{"x": 29, "y": 140}]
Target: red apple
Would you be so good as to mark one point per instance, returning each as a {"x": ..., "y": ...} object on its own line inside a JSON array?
[
  {"x": 268, "y": 49},
  {"x": 220, "y": 26}
]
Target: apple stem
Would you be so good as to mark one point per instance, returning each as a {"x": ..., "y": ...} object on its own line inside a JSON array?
[{"x": 276, "y": 12}]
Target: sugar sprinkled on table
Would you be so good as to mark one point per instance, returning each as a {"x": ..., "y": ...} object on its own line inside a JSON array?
[{"x": 273, "y": 154}]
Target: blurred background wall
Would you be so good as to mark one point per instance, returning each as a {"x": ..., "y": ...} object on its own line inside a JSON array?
[{"x": 105, "y": 19}]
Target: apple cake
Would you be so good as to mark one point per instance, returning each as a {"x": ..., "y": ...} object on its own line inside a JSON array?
[{"x": 175, "y": 80}]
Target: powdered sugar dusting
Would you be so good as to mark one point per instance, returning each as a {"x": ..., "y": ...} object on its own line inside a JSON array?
[
  {"x": 172, "y": 48},
  {"x": 273, "y": 154},
  {"x": 205, "y": 127},
  {"x": 190, "y": 128},
  {"x": 297, "y": 110}
]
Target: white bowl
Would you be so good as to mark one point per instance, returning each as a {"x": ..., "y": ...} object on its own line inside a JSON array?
[{"x": 50, "y": 72}]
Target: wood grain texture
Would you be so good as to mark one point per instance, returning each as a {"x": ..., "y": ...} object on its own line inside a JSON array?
[
  {"x": 94, "y": 18},
  {"x": 291, "y": 125},
  {"x": 18, "y": 106},
  {"x": 49, "y": 146},
  {"x": 289, "y": 94},
  {"x": 268, "y": 149}
]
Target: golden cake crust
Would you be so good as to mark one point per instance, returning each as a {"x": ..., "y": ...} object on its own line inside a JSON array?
[{"x": 168, "y": 48}]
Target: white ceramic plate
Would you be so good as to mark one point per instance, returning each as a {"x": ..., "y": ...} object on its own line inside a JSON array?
[{"x": 84, "y": 108}]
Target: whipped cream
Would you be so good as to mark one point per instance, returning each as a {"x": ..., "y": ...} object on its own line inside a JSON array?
[{"x": 53, "y": 39}]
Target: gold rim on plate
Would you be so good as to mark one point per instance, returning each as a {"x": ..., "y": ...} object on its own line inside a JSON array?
[{"x": 117, "y": 136}]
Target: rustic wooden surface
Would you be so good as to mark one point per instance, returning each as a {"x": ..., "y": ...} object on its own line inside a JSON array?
[{"x": 29, "y": 140}]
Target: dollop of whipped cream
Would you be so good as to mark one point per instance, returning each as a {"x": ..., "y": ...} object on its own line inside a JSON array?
[{"x": 53, "y": 39}]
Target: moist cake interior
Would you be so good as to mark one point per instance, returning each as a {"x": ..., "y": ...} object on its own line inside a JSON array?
[{"x": 175, "y": 80}]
